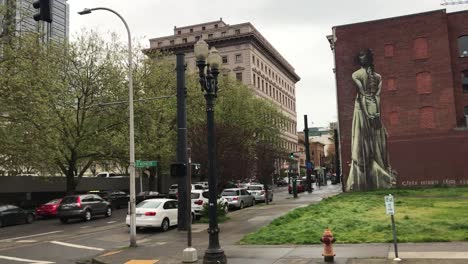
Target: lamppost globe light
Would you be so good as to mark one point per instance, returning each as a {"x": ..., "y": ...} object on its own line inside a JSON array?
[
  {"x": 201, "y": 50},
  {"x": 214, "y": 59}
]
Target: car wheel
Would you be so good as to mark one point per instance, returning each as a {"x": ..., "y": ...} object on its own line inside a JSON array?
[
  {"x": 226, "y": 208},
  {"x": 64, "y": 220},
  {"x": 87, "y": 215},
  {"x": 241, "y": 205},
  {"x": 109, "y": 212},
  {"x": 271, "y": 200},
  {"x": 165, "y": 225},
  {"x": 253, "y": 202},
  {"x": 29, "y": 219}
]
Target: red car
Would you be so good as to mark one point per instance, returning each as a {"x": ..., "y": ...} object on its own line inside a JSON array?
[
  {"x": 48, "y": 209},
  {"x": 301, "y": 186}
]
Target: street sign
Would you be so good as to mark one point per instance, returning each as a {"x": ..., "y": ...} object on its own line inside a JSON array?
[
  {"x": 146, "y": 163},
  {"x": 389, "y": 204},
  {"x": 309, "y": 165}
]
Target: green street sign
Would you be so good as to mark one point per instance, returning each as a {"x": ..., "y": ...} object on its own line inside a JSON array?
[{"x": 146, "y": 163}]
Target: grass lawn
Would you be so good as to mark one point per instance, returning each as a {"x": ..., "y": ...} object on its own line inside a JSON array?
[{"x": 422, "y": 215}]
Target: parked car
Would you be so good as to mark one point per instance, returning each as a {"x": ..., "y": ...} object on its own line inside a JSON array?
[
  {"x": 13, "y": 215},
  {"x": 258, "y": 192},
  {"x": 200, "y": 198},
  {"x": 204, "y": 184},
  {"x": 83, "y": 206},
  {"x": 161, "y": 213},
  {"x": 48, "y": 209},
  {"x": 148, "y": 195},
  {"x": 281, "y": 182},
  {"x": 174, "y": 189},
  {"x": 301, "y": 186},
  {"x": 238, "y": 198},
  {"x": 117, "y": 199}
]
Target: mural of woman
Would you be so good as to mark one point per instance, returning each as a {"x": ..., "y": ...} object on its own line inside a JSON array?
[{"x": 370, "y": 168}]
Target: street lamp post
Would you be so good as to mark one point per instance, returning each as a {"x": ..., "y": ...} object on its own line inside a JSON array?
[
  {"x": 211, "y": 60},
  {"x": 132, "y": 130}
]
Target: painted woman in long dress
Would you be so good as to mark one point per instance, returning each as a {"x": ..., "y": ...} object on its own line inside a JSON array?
[{"x": 370, "y": 168}]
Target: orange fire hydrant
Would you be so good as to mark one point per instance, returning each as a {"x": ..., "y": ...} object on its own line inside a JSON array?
[{"x": 327, "y": 240}]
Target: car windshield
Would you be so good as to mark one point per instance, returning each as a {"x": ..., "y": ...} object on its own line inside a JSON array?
[
  {"x": 206, "y": 195},
  {"x": 69, "y": 199},
  {"x": 254, "y": 187},
  {"x": 229, "y": 193},
  {"x": 198, "y": 187},
  {"x": 195, "y": 196},
  {"x": 148, "y": 204},
  {"x": 55, "y": 201},
  {"x": 173, "y": 187}
]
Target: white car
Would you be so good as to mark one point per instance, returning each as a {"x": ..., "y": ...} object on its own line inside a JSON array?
[
  {"x": 160, "y": 213},
  {"x": 201, "y": 197},
  {"x": 174, "y": 189}
]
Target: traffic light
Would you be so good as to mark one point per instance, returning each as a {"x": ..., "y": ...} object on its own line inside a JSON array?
[
  {"x": 291, "y": 155},
  {"x": 45, "y": 10},
  {"x": 178, "y": 169}
]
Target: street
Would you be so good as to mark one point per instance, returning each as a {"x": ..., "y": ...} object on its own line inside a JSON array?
[{"x": 49, "y": 241}]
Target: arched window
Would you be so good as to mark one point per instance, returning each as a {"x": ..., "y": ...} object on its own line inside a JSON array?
[
  {"x": 420, "y": 48},
  {"x": 465, "y": 81},
  {"x": 463, "y": 46}
]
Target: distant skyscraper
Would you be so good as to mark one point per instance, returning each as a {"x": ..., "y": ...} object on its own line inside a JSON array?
[{"x": 22, "y": 15}]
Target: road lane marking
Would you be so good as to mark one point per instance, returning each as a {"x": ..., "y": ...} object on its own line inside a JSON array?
[
  {"x": 430, "y": 255},
  {"x": 83, "y": 227},
  {"x": 111, "y": 222},
  {"x": 76, "y": 246},
  {"x": 30, "y": 261},
  {"x": 26, "y": 241},
  {"x": 134, "y": 261},
  {"x": 41, "y": 234}
]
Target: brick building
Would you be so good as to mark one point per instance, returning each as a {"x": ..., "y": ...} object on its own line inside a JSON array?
[{"x": 423, "y": 61}]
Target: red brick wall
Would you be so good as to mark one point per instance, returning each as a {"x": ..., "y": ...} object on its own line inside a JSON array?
[
  {"x": 414, "y": 109},
  {"x": 458, "y": 26}
]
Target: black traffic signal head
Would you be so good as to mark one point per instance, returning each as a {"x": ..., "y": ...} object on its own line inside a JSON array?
[
  {"x": 178, "y": 169},
  {"x": 45, "y": 10}
]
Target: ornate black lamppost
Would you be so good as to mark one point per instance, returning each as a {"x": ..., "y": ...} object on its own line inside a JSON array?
[{"x": 211, "y": 60}]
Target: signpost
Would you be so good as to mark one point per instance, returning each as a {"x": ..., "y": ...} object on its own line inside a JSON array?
[
  {"x": 144, "y": 164},
  {"x": 390, "y": 209}
]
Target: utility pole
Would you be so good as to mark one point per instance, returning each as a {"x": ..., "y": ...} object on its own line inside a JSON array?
[
  {"x": 182, "y": 221},
  {"x": 307, "y": 150}
]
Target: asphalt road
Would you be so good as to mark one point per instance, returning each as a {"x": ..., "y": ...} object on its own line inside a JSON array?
[{"x": 49, "y": 241}]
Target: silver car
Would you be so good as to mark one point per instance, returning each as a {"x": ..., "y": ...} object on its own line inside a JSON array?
[
  {"x": 258, "y": 192},
  {"x": 238, "y": 198}
]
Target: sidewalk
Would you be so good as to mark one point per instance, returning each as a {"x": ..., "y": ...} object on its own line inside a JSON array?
[{"x": 167, "y": 248}]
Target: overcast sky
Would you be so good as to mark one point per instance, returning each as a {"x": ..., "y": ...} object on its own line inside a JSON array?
[{"x": 296, "y": 28}]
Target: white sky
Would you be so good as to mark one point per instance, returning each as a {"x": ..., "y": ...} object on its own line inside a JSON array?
[{"x": 296, "y": 28}]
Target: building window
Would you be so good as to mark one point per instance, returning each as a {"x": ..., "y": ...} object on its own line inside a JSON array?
[
  {"x": 225, "y": 59},
  {"x": 258, "y": 82},
  {"x": 262, "y": 86},
  {"x": 223, "y": 33},
  {"x": 420, "y": 48},
  {"x": 239, "y": 76},
  {"x": 172, "y": 42},
  {"x": 388, "y": 50},
  {"x": 253, "y": 59},
  {"x": 159, "y": 44},
  {"x": 184, "y": 40},
  {"x": 465, "y": 81},
  {"x": 191, "y": 30},
  {"x": 426, "y": 117},
  {"x": 179, "y": 32},
  {"x": 238, "y": 58},
  {"x": 210, "y": 35},
  {"x": 423, "y": 83},
  {"x": 391, "y": 84},
  {"x": 197, "y": 38},
  {"x": 216, "y": 25},
  {"x": 203, "y": 28},
  {"x": 465, "y": 110},
  {"x": 254, "y": 79},
  {"x": 463, "y": 46},
  {"x": 237, "y": 31}
]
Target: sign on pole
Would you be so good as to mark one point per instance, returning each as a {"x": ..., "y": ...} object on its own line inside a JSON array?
[
  {"x": 390, "y": 209},
  {"x": 146, "y": 163},
  {"x": 389, "y": 204}
]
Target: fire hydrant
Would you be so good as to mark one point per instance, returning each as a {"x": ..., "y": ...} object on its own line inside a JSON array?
[{"x": 327, "y": 240}]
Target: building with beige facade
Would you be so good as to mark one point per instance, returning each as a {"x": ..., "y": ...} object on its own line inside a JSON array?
[{"x": 248, "y": 57}]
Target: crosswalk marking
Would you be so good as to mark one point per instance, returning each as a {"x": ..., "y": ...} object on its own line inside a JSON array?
[
  {"x": 76, "y": 246},
  {"x": 26, "y": 241},
  {"x": 135, "y": 261}
]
